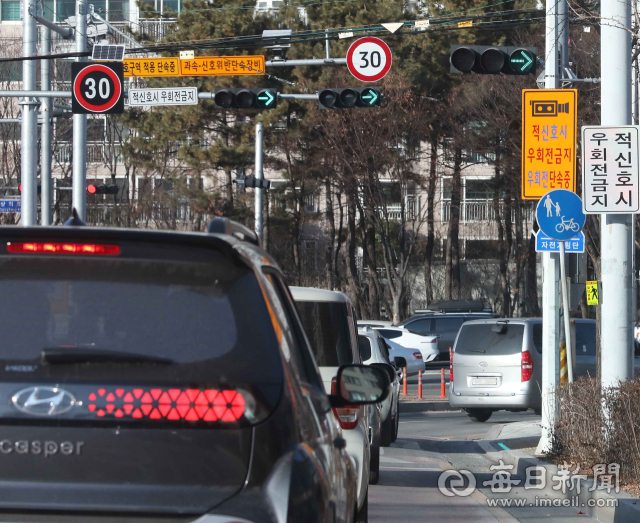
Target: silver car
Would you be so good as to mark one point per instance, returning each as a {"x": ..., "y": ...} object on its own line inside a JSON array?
[
  {"x": 496, "y": 366},
  {"x": 373, "y": 351}
]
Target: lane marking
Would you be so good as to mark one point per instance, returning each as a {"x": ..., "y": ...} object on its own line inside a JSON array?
[{"x": 503, "y": 446}]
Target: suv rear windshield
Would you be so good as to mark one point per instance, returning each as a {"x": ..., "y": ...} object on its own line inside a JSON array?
[
  {"x": 207, "y": 316},
  {"x": 326, "y": 324},
  {"x": 481, "y": 339}
]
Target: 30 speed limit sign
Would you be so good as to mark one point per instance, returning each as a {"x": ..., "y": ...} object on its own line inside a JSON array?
[
  {"x": 369, "y": 59},
  {"x": 97, "y": 88}
]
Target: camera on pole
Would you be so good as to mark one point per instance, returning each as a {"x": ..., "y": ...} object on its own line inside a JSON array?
[
  {"x": 243, "y": 98},
  {"x": 347, "y": 97},
  {"x": 486, "y": 59}
]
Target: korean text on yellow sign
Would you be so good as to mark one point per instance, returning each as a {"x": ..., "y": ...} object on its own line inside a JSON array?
[
  {"x": 151, "y": 67},
  {"x": 592, "y": 293},
  {"x": 222, "y": 66},
  {"x": 549, "y": 123}
]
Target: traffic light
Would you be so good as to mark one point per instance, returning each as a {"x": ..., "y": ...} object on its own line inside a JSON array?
[
  {"x": 484, "y": 59},
  {"x": 346, "y": 97},
  {"x": 246, "y": 98},
  {"x": 103, "y": 188}
]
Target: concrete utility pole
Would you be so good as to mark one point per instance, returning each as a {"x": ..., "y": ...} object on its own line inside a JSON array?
[
  {"x": 617, "y": 230},
  {"x": 259, "y": 175},
  {"x": 79, "y": 196},
  {"x": 550, "y": 266},
  {"x": 29, "y": 137},
  {"x": 46, "y": 106}
]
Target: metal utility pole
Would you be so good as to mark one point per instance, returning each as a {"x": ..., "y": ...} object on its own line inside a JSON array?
[
  {"x": 79, "y": 196},
  {"x": 259, "y": 175},
  {"x": 550, "y": 265},
  {"x": 46, "y": 106},
  {"x": 29, "y": 137},
  {"x": 617, "y": 231}
]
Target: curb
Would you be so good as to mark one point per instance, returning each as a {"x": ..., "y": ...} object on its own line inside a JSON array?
[
  {"x": 627, "y": 511},
  {"x": 425, "y": 406}
]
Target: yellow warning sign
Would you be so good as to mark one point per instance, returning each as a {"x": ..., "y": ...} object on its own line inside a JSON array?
[
  {"x": 592, "y": 293},
  {"x": 198, "y": 66},
  {"x": 222, "y": 66},
  {"x": 151, "y": 67},
  {"x": 549, "y": 123},
  {"x": 466, "y": 23}
]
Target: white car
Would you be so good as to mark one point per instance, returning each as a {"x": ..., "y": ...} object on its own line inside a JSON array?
[
  {"x": 329, "y": 323},
  {"x": 427, "y": 345}
]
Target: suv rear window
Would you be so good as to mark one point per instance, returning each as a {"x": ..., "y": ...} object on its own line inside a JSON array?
[
  {"x": 447, "y": 324},
  {"x": 481, "y": 339},
  {"x": 586, "y": 338},
  {"x": 195, "y": 313},
  {"x": 326, "y": 324},
  {"x": 364, "y": 345}
]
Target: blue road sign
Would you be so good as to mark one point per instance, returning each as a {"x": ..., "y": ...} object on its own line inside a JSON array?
[
  {"x": 546, "y": 244},
  {"x": 9, "y": 204},
  {"x": 560, "y": 214}
]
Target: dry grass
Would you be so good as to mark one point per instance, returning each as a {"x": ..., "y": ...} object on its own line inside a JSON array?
[{"x": 585, "y": 437}]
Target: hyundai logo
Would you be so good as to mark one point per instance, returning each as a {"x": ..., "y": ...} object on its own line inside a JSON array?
[
  {"x": 483, "y": 364},
  {"x": 43, "y": 401}
]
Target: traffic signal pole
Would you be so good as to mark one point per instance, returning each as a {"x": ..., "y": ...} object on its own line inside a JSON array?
[
  {"x": 46, "y": 110},
  {"x": 617, "y": 231},
  {"x": 259, "y": 175},
  {"x": 550, "y": 266},
  {"x": 79, "y": 196},
  {"x": 29, "y": 130}
]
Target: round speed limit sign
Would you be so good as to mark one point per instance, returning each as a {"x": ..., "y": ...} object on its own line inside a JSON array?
[
  {"x": 97, "y": 88},
  {"x": 369, "y": 59}
]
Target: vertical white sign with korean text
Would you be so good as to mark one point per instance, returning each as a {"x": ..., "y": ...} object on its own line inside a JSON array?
[{"x": 611, "y": 169}]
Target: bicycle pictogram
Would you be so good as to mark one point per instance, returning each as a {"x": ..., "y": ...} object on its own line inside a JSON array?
[{"x": 567, "y": 225}]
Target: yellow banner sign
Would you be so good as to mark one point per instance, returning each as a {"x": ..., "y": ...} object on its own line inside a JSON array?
[
  {"x": 467, "y": 23},
  {"x": 222, "y": 66},
  {"x": 549, "y": 123},
  {"x": 199, "y": 66},
  {"x": 592, "y": 293},
  {"x": 151, "y": 67}
]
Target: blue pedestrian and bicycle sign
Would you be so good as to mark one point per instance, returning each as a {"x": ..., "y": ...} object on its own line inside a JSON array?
[{"x": 560, "y": 215}]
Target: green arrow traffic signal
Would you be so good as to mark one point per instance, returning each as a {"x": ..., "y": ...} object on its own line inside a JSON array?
[
  {"x": 369, "y": 96},
  {"x": 266, "y": 99},
  {"x": 521, "y": 61}
]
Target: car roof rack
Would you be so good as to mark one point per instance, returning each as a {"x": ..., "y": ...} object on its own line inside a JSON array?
[
  {"x": 459, "y": 306},
  {"x": 222, "y": 225}
]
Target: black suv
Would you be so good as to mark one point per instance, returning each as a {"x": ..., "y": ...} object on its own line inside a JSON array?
[{"x": 153, "y": 376}]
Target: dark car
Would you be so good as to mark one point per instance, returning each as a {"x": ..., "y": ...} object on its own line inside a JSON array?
[
  {"x": 446, "y": 326},
  {"x": 161, "y": 376}
]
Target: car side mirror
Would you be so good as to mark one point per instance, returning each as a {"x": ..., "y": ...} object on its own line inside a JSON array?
[
  {"x": 391, "y": 372},
  {"x": 360, "y": 385},
  {"x": 400, "y": 362}
]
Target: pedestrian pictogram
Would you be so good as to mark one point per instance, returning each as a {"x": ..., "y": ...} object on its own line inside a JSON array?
[
  {"x": 369, "y": 59},
  {"x": 549, "y": 123},
  {"x": 97, "y": 88},
  {"x": 592, "y": 293},
  {"x": 560, "y": 215}
]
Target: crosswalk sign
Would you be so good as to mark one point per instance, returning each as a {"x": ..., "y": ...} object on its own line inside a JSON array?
[{"x": 592, "y": 293}]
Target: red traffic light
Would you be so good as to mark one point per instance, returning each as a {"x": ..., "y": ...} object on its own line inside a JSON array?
[
  {"x": 102, "y": 189},
  {"x": 20, "y": 187},
  {"x": 92, "y": 189}
]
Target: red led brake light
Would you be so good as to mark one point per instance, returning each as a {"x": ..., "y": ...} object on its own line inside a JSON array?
[
  {"x": 168, "y": 404},
  {"x": 63, "y": 248},
  {"x": 527, "y": 366}
]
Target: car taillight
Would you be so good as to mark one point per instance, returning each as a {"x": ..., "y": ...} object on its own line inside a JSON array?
[
  {"x": 62, "y": 248},
  {"x": 168, "y": 404},
  {"x": 451, "y": 367},
  {"x": 347, "y": 415},
  {"x": 418, "y": 355},
  {"x": 527, "y": 366}
]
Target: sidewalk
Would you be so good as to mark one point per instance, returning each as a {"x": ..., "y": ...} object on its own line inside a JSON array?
[{"x": 515, "y": 444}]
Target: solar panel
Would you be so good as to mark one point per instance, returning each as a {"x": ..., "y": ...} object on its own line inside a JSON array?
[{"x": 109, "y": 53}]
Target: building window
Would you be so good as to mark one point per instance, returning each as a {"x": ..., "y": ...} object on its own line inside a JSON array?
[
  {"x": 481, "y": 249},
  {"x": 481, "y": 189},
  {"x": 10, "y": 11}
]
